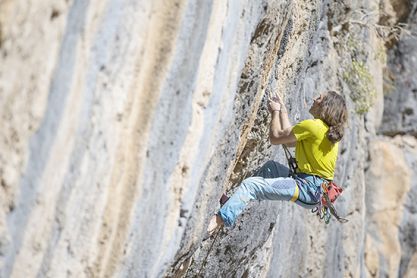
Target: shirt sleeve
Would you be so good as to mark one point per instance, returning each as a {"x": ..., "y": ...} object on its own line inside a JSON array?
[{"x": 304, "y": 130}]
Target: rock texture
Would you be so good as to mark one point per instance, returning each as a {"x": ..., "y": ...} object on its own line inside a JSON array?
[
  {"x": 397, "y": 254},
  {"x": 124, "y": 121},
  {"x": 401, "y": 92},
  {"x": 391, "y": 180}
]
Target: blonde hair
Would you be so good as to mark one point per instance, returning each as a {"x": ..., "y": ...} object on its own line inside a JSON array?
[{"x": 334, "y": 113}]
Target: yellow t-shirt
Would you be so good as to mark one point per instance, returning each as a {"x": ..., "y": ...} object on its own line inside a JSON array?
[{"x": 314, "y": 153}]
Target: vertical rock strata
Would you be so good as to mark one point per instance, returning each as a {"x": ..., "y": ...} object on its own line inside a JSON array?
[
  {"x": 401, "y": 92},
  {"x": 124, "y": 121},
  {"x": 396, "y": 255}
]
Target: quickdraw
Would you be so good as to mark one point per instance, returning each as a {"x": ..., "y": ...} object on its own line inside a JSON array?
[{"x": 326, "y": 208}]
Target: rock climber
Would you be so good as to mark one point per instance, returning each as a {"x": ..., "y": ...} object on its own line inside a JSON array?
[{"x": 316, "y": 144}]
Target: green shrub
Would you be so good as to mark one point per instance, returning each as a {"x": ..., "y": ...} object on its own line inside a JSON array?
[{"x": 361, "y": 84}]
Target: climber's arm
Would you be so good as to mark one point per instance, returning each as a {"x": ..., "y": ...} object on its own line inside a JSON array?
[
  {"x": 291, "y": 145},
  {"x": 280, "y": 131},
  {"x": 285, "y": 123},
  {"x": 283, "y": 116},
  {"x": 278, "y": 134}
]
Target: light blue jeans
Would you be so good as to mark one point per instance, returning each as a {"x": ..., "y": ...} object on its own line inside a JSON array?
[{"x": 271, "y": 182}]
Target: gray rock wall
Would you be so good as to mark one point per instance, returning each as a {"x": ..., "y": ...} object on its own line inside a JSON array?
[
  {"x": 124, "y": 121},
  {"x": 390, "y": 207},
  {"x": 401, "y": 92}
]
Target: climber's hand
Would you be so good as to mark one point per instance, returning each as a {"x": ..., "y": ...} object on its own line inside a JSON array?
[
  {"x": 275, "y": 103},
  {"x": 279, "y": 99}
]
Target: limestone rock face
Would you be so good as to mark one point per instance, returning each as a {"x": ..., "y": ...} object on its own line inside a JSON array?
[
  {"x": 401, "y": 93},
  {"x": 391, "y": 250},
  {"x": 123, "y": 122},
  {"x": 389, "y": 182}
]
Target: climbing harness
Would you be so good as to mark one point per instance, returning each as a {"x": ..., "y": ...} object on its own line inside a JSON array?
[{"x": 330, "y": 191}]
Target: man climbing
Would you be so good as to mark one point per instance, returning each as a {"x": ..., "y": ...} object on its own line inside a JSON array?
[{"x": 316, "y": 148}]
